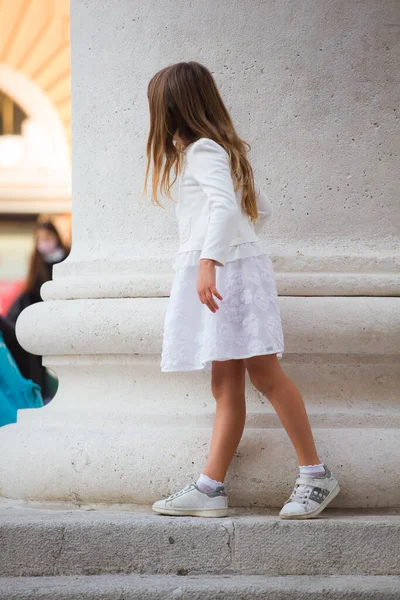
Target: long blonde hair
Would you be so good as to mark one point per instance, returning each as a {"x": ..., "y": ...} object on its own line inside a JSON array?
[{"x": 184, "y": 101}]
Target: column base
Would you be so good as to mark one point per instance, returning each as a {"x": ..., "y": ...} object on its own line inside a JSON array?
[{"x": 120, "y": 431}]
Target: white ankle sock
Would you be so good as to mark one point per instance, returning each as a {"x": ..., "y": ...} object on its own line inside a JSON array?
[
  {"x": 207, "y": 485},
  {"x": 313, "y": 470}
]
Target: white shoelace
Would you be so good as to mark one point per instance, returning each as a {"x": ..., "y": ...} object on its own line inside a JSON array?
[
  {"x": 301, "y": 493},
  {"x": 185, "y": 489}
]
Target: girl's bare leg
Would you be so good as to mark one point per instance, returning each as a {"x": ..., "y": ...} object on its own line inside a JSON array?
[
  {"x": 267, "y": 376},
  {"x": 228, "y": 388}
]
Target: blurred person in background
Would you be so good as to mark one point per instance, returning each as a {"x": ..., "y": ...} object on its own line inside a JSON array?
[{"x": 49, "y": 250}]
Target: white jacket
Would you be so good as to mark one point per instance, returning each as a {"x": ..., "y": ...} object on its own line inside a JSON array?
[{"x": 209, "y": 213}]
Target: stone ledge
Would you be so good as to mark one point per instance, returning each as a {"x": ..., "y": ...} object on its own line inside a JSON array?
[
  {"x": 156, "y": 285},
  {"x": 199, "y": 587},
  {"x": 43, "y": 542},
  {"x": 320, "y": 325},
  {"x": 138, "y": 470},
  {"x": 353, "y": 273}
]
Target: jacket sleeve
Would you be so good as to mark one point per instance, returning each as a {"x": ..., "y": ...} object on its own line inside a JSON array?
[
  {"x": 210, "y": 167},
  {"x": 264, "y": 209}
]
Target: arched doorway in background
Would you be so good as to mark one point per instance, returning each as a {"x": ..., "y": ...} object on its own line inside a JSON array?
[{"x": 34, "y": 174}]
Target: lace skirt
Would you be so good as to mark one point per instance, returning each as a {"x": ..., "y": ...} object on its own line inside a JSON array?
[{"x": 248, "y": 322}]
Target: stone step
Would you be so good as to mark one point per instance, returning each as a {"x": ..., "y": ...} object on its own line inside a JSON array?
[
  {"x": 200, "y": 587},
  {"x": 43, "y": 542}
]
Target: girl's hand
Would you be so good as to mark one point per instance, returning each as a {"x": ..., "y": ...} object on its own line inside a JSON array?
[{"x": 206, "y": 289}]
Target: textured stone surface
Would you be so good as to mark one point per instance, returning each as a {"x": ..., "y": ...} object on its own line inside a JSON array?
[
  {"x": 93, "y": 543},
  {"x": 363, "y": 545},
  {"x": 313, "y": 87},
  {"x": 39, "y": 542},
  {"x": 200, "y": 587},
  {"x": 138, "y": 470}
]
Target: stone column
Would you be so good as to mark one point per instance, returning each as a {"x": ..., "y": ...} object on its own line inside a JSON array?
[{"x": 313, "y": 88}]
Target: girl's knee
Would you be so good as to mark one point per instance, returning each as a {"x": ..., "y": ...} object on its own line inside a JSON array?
[
  {"x": 264, "y": 380},
  {"x": 228, "y": 380},
  {"x": 223, "y": 392},
  {"x": 227, "y": 391},
  {"x": 217, "y": 389}
]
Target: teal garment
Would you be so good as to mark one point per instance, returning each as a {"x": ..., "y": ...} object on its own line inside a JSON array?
[{"x": 16, "y": 392}]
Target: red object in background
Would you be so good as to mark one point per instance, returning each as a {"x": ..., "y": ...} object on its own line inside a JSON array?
[{"x": 9, "y": 291}]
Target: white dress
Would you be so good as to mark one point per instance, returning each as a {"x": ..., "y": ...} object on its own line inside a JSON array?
[{"x": 248, "y": 322}]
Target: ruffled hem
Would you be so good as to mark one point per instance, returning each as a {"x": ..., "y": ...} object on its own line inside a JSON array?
[
  {"x": 207, "y": 364},
  {"x": 192, "y": 257}
]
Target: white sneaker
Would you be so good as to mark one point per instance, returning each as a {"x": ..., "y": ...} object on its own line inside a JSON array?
[
  {"x": 191, "y": 502},
  {"x": 311, "y": 495}
]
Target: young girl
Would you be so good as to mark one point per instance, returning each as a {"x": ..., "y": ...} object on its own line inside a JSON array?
[{"x": 223, "y": 313}]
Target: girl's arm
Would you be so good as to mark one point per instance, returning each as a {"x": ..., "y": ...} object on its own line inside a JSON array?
[{"x": 210, "y": 167}]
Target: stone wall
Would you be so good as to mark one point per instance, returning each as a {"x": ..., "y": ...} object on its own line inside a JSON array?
[{"x": 314, "y": 88}]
